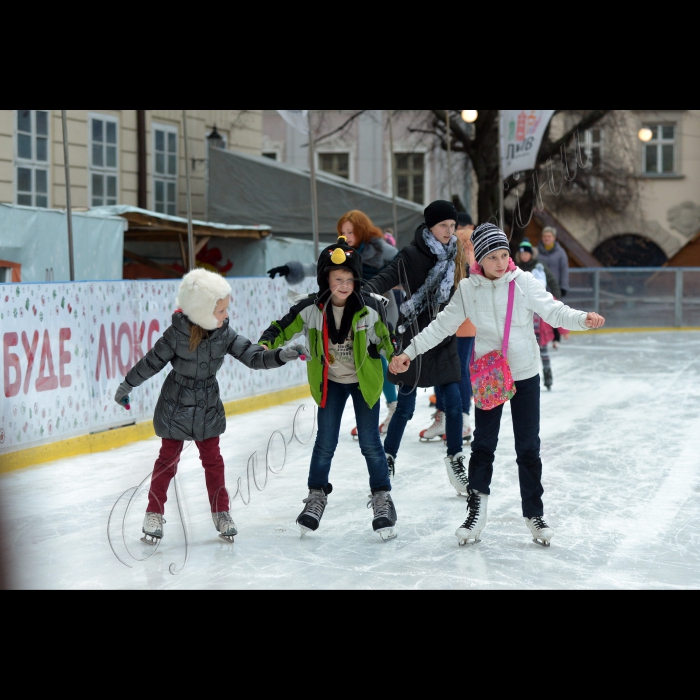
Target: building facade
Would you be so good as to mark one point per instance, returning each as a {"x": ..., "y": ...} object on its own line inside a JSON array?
[{"x": 117, "y": 156}]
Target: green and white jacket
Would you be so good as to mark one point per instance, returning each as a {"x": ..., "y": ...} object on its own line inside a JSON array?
[{"x": 371, "y": 337}]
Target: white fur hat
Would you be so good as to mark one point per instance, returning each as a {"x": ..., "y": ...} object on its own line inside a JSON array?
[{"x": 200, "y": 291}]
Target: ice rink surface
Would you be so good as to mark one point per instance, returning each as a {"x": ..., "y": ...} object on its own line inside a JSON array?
[{"x": 621, "y": 451}]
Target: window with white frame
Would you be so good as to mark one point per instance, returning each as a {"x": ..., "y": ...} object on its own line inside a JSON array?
[
  {"x": 410, "y": 176},
  {"x": 165, "y": 169},
  {"x": 104, "y": 160},
  {"x": 335, "y": 163},
  {"x": 592, "y": 147},
  {"x": 660, "y": 151},
  {"x": 32, "y": 159}
]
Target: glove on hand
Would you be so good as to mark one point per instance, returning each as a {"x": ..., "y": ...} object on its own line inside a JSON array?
[
  {"x": 293, "y": 353},
  {"x": 123, "y": 393},
  {"x": 281, "y": 271},
  {"x": 563, "y": 293}
]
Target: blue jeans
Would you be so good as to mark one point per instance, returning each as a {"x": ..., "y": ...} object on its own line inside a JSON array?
[
  {"x": 368, "y": 432},
  {"x": 464, "y": 347},
  {"x": 404, "y": 413},
  {"x": 525, "y": 409},
  {"x": 389, "y": 388}
]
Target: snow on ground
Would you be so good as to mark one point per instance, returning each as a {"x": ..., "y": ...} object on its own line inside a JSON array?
[{"x": 621, "y": 451}]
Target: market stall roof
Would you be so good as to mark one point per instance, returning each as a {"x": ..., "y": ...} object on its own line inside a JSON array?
[
  {"x": 253, "y": 188},
  {"x": 147, "y": 225}
]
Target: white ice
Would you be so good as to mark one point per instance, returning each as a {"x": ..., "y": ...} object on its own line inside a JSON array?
[{"x": 621, "y": 450}]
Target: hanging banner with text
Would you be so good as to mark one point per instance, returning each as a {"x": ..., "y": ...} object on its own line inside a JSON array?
[
  {"x": 522, "y": 134},
  {"x": 66, "y": 347}
]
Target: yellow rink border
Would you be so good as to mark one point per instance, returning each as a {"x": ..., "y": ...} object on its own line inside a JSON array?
[
  {"x": 119, "y": 437},
  {"x": 603, "y": 331}
]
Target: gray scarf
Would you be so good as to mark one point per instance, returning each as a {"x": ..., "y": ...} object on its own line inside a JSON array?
[{"x": 438, "y": 286}]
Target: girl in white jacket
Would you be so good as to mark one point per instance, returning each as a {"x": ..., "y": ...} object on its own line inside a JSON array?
[{"x": 483, "y": 299}]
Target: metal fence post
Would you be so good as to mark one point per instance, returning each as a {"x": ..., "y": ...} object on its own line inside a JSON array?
[
  {"x": 596, "y": 291},
  {"x": 679, "y": 298}
]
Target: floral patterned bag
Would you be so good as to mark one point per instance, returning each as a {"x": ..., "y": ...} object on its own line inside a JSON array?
[{"x": 492, "y": 381}]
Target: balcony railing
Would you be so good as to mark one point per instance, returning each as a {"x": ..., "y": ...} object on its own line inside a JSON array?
[{"x": 638, "y": 297}]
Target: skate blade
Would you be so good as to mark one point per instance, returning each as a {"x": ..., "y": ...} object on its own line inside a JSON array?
[
  {"x": 153, "y": 541},
  {"x": 304, "y": 531},
  {"x": 387, "y": 534},
  {"x": 468, "y": 543},
  {"x": 227, "y": 538},
  {"x": 542, "y": 543},
  {"x": 423, "y": 439}
]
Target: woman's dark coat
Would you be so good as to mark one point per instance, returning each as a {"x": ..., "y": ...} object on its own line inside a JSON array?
[
  {"x": 410, "y": 270},
  {"x": 189, "y": 407}
]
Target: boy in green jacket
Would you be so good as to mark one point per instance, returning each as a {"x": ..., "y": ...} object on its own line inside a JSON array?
[{"x": 346, "y": 333}]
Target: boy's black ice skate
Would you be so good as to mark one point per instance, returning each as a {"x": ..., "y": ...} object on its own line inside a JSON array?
[
  {"x": 152, "y": 528},
  {"x": 316, "y": 503},
  {"x": 384, "y": 522},
  {"x": 225, "y": 526}
]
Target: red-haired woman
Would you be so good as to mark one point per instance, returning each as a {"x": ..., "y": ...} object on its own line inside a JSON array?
[{"x": 376, "y": 254}]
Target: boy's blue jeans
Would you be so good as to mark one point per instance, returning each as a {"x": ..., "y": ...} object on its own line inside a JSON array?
[{"x": 329, "y": 419}]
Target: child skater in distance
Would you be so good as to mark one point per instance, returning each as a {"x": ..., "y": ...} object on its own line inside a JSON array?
[
  {"x": 189, "y": 407},
  {"x": 346, "y": 333},
  {"x": 483, "y": 298}
]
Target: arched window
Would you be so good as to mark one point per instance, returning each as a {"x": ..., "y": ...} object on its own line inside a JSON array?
[{"x": 630, "y": 250}]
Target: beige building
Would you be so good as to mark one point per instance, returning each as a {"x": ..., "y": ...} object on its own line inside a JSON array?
[
  {"x": 117, "y": 156},
  {"x": 660, "y": 151}
]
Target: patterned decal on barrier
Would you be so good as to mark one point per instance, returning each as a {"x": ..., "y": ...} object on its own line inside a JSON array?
[{"x": 67, "y": 347}]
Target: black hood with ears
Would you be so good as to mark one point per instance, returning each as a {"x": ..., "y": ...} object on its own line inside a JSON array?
[{"x": 339, "y": 256}]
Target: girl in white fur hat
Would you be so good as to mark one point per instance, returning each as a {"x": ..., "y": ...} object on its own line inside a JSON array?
[{"x": 189, "y": 407}]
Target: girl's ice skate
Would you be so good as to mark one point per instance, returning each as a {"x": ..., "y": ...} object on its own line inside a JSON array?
[
  {"x": 152, "y": 528},
  {"x": 541, "y": 532},
  {"x": 436, "y": 430},
  {"x": 457, "y": 473},
  {"x": 392, "y": 466},
  {"x": 384, "y": 426},
  {"x": 384, "y": 522},
  {"x": 316, "y": 503},
  {"x": 225, "y": 526},
  {"x": 473, "y": 526}
]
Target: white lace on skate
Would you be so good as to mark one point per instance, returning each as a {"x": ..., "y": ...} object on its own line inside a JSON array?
[
  {"x": 381, "y": 503},
  {"x": 224, "y": 524},
  {"x": 457, "y": 473},
  {"x": 153, "y": 524}
]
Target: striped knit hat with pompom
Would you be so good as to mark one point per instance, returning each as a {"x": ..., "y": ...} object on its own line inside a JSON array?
[{"x": 488, "y": 238}]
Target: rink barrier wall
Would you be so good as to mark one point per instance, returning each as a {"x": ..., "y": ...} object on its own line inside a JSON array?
[
  {"x": 608, "y": 331},
  {"x": 119, "y": 437}
]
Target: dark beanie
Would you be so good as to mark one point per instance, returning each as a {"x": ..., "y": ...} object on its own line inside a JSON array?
[
  {"x": 441, "y": 210},
  {"x": 487, "y": 239},
  {"x": 463, "y": 219},
  {"x": 525, "y": 246}
]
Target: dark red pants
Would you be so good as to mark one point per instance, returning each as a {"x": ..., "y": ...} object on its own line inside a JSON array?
[{"x": 166, "y": 468}]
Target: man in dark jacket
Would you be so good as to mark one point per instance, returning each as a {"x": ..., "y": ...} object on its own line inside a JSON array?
[{"x": 426, "y": 271}]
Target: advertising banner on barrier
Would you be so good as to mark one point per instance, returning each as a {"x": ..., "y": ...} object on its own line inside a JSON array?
[{"x": 67, "y": 347}]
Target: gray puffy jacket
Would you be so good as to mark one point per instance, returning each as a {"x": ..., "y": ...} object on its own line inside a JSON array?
[{"x": 189, "y": 407}]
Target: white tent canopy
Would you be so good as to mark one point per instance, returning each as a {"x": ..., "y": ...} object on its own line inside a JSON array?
[{"x": 245, "y": 189}]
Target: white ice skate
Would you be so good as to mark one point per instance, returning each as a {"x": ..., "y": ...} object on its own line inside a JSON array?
[
  {"x": 470, "y": 532},
  {"x": 152, "y": 528},
  {"x": 225, "y": 526},
  {"x": 384, "y": 426},
  {"x": 436, "y": 430},
  {"x": 384, "y": 522},
  {"x": 457, "y": 473},
  {"x": 541, "y": 532}
]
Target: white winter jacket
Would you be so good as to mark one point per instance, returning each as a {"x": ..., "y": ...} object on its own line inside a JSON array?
[{"x": 485, "y": 304}]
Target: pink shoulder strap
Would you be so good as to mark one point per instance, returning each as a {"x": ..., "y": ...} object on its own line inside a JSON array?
[{"x": 509, "y": 317}]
